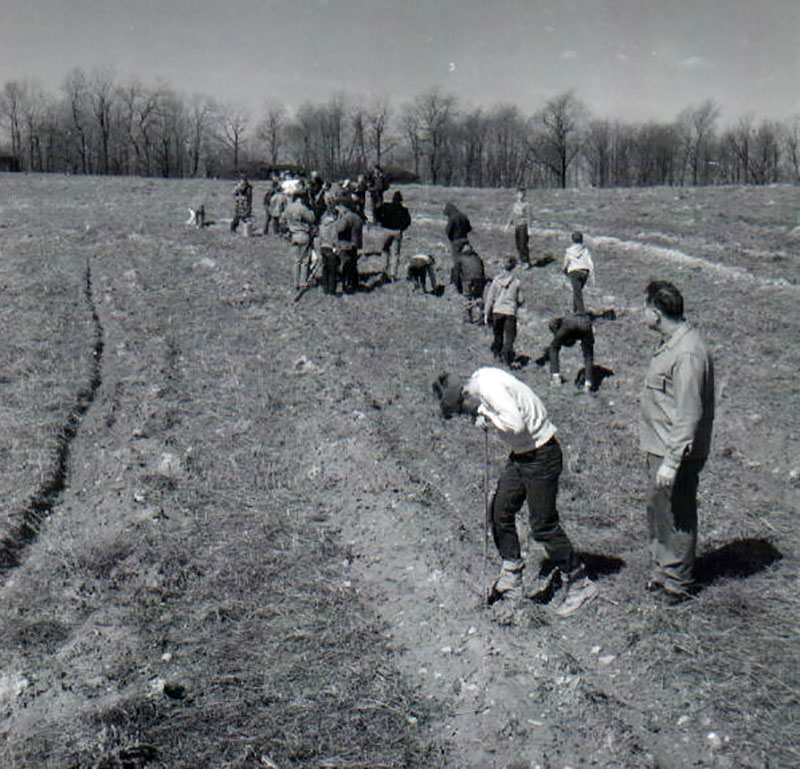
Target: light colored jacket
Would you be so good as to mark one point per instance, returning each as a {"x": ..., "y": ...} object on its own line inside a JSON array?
[
  {"x": 578, "y": 257},
  {"x": 504, "y": 296},
  {"x": 520, "y": 214},
  {"x": 512, "y": 407},
  {"x": 677, "y": 403}
]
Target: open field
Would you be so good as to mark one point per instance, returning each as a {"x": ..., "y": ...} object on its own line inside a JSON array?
[{"x": 235, "y": 532}]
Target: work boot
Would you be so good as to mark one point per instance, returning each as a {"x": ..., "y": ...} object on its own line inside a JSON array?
[
  {"x": 509, "y": 583},
  {"x": 580, "y": 590},
  {"x": 545, "y": 586}
]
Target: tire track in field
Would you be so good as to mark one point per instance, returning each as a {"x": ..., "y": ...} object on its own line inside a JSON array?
[
  {"x": 648, "y": 252},
  {"x": 47, "y": 496}
]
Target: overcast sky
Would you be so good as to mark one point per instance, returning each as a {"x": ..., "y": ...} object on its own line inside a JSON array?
[{"x": 632, "y": 59}]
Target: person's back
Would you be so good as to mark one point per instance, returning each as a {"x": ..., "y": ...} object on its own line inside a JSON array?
[
  {"x": 350, "y": 228},
  {"x": 299, "y": 217},
  {"x": 458, "y": 225},
  {"x": 394, "y": 215},
  {"x": 471, "y": 268},
  {"x": 327, "y": 235},
  {"x": 504, "y": 294}
]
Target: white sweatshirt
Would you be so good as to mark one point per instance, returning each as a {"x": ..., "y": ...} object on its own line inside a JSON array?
[
  {"x": 512, "y": 407},
  {"x": 577, "y": 257}
]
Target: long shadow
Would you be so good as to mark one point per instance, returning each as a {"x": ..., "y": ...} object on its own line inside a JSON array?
[
  {"x": 597, "y": 564},
  {"x": 740, "y": 558}
]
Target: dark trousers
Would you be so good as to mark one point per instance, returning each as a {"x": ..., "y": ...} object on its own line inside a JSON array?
[
  {"x": 392, "y": 244},
  {"x": 578, "y": 279},
  {"x": 419, "y": 273},
  {"x": 330, "y": 270},
  {"x": 532, "y": 476},
  {"x": 587, "y": 347},
  {"x": 473, "y": 296},
  {"x": 672, "y": 524},
  {"x": 505, "y": 334},
  {"x": 349, "y": 271},
  {"x": 376, "y": 198},
  {"x": 521, "y": 240}
]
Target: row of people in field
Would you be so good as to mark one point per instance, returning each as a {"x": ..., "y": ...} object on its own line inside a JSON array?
[{"x": 324, "y": 221}]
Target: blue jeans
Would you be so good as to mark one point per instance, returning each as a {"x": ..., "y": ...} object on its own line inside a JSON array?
[{"x": 532, "y": 476}]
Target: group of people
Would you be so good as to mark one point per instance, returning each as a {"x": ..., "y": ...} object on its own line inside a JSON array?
[
  {"x": 677, "y": 413},
  {"x": 677, "y": 402},
  {"x": 324, "y": 223}
]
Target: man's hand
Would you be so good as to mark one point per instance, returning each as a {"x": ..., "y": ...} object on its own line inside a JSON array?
[
  {"x": 482, "y": 422},
  {"x": 665, "y": 477}
]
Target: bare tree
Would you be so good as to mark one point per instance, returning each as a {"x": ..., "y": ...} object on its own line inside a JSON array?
[
  {"x": 11, "y": 105},
  {"x": 356, "y": 155},
  {"x": 33, "y": 107},
  {"x": 200, "y": 117},
  {"x": 506, "y": 147},
  {"x": 435, "y": 112},
  {"x": 597, "y": 150},
  {"x": 331, "y": 126},
  {"x": 791, "y": 141},
  {"x": 377, "y": 117},
  {"x": 271, "y": 130},
  {"x": 101, "y": 95},
  {"x": 470, "y": 140},
  {"x": 409, "y": 120},
  {"x": 696, "y": 128},
  {"x": 556, "y": 140},
  {"x": 76, "y": 90},
  {"x": 233, "y": 123}
]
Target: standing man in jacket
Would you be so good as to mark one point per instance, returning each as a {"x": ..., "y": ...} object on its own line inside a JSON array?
[
  {"x": 520, "y": 218},
  {"x": 503, "y": 299},
  {"x": 300, "y": 221},
  {"x": 395, "y": 218},
  {"x": 350, "y": 234},
  {"x": 457, "y": 229},
  {"x": 377, "y": 184},
  {"x": 677, "y": 414},
  {"x": 498, "y": 399},
  {"x": 470, "y": 280}
]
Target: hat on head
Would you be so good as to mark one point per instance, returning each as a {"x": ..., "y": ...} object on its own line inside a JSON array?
[{"x": 450, "y": 396}]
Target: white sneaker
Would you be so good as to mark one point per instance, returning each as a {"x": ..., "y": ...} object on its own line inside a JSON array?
[
  {"x": 577, "y": 594},
  {"x": 509, "y": 583}
]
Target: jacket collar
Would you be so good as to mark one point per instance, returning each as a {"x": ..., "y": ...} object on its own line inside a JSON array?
[{"x": 677, "y": 335}]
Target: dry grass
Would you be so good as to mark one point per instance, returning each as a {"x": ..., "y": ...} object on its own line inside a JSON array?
[{"x": 187, "y": 604}]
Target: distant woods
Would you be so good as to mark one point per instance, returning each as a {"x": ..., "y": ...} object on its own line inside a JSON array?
[{"x": 96, "y": 125}]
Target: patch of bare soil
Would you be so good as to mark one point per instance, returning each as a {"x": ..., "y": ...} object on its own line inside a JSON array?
[{"x": 269, "y": 549}]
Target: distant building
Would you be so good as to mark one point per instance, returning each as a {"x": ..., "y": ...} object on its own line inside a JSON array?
[{"x": 9, "y": 163}]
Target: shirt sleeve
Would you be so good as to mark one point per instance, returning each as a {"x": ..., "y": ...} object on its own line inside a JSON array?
[
  {"x": 687, "y": 380},
  {"x": 502, "y": 412}
]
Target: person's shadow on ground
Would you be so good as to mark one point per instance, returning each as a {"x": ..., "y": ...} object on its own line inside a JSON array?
[
  {"x": 597, "y": 564},
  {"x": 739, "y": 558}
]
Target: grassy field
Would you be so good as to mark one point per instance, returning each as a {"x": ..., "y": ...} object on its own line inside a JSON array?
[{"x": 235, "y": 532}]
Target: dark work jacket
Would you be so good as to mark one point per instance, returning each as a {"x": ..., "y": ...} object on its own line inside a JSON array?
[
  {"x": 393, "y": 216},
  {"x": 468, "y": 269},
  {"x": 458, "y": 226}
]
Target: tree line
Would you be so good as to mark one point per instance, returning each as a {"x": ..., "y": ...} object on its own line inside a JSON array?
[{"x": 97, "y": 125}]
